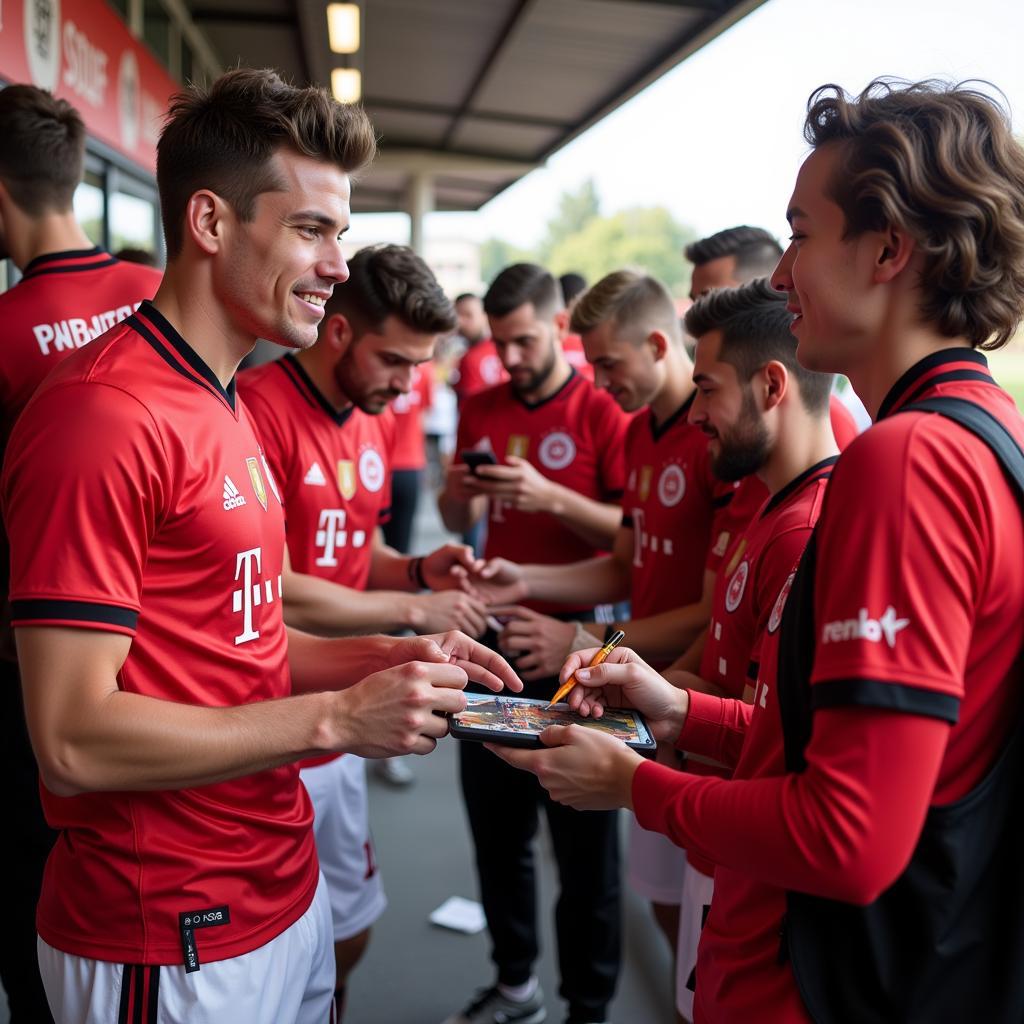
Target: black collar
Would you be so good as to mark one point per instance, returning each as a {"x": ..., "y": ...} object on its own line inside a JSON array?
[
  {"x": 960, "y": 363},
  {"x": 68, "y": 261},
  {"x": 815, "y": 472},
  {"x": 659, "y": 430},
  {"x": 544, "y": 401},
  {"x": 303, "y": 383}
]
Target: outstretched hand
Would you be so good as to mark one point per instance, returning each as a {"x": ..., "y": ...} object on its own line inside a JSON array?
[
  {"x": 480, "y": 664},
  {"x": 581, "y": 767}
]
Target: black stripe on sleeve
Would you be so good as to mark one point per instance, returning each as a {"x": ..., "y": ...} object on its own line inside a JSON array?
[
  {"x": 753, "y": 668},
  {"x": 73, "y": 611},
  {"x": 627, "y": 520},
  {"x": 872, "y": 693}
]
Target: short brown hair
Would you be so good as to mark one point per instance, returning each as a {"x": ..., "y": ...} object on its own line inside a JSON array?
[
  {"x": 522, "y": 283},
  {"x": 756, "y": 250},
  {"x": 630, "y": 300},
  {"x": 754, "y": 324},
  {"x": 939, "y": 160},
  {"x": 391, "y": 280},
  {"x": 43, "y": 154},
  {"x": 224, "y": 139}
]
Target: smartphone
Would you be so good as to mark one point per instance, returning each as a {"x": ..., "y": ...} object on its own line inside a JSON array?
[
  {"x": 475, "y": 459},
  {"x": 519, "y": 721}
]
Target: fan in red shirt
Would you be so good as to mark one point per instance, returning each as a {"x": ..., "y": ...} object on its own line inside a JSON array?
[
  {"x": 480, "y": 366},
  {"x": 166, "y": 702},
  {"x": 889, "y": 687},
  {"x": 552, "y": 498},
  {"x": 325, "y": 415},
  {"x": 70, "y": 292}
]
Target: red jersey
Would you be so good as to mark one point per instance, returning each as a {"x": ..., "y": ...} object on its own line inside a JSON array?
[
  {"x": 844, "y": 426},
  {"x": 480, "y": 368},
  {"x": 333, "y": 468},
  {"x": 670, "y": 503},
  {"x": 919, "y": 608},
  {"x": 575, "y": 437},
  {"x": 758, "y": 566},
  {"x": 410, "y": 449},
  {"x": 162, "y": 522},
  {"x": 576, "y": 357}
]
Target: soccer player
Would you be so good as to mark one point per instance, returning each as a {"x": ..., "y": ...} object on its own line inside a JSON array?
[
  {"x": 325, "y": 417},
  {"x": 70, "y": 292},
  {"x": 878, "y": 747},
  {"x": 558, "y": 443},
  {"x": 737, "y": 255},
  {"x": 166, "y": 702}
]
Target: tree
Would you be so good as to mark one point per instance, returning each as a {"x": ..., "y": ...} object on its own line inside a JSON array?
[
  {"x": 645, "y": 238},
  {"x": 496, "y": 254},
  {"x": 575, "y": 211}
]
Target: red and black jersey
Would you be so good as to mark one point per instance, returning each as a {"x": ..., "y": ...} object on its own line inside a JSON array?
[
  {"x": 139, "y": 501},
  {"x": 670, "y": 503},
  {"x": 746, "y": 590},
  {"x": 334, "y": 469},
  {"x": 480, "y": 368},
  {"x": 575, "y": 437},
  {"x": 844, "y": 426},
  {"x": 576, "y": 356},
  {"x": 918, "y": 604},
  {"x": 410, "y": 449}
]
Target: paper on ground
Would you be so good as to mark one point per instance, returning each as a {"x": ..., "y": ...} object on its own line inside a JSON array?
[{"x": 460, "y": 914}]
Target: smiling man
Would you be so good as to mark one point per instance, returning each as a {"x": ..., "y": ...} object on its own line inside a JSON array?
[
  {"x": 868, "y": 846},
  {"x": 167, "y": 703}
]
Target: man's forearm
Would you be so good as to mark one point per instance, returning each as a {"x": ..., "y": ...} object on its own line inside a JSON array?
[
  {"x": 594, "y": 581},
  {"x": 595, "y": 521},
  {"x": 664, "y": 637},
  {"x": 320, "y": 663},
  {"x": 390, "y": 570},
  {"x": 319, "y": 606},
  {"x": 460, "y": 516}
]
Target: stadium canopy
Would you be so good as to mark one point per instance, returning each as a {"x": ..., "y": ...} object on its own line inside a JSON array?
[{"x": 468, "y": 96}]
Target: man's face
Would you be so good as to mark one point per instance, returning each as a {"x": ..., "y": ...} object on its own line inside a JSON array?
[
  {"x": 526, "y": 347},
  {"x": 725, "y": 409},
  {"x": 629, "y": 373},
  {"x": 274, "y": 273},
  {"x": 471, "y": 318},
  {"x": 837, "y": 315},
  {"x": 720, "y": 273},
  {"x": 378, "y": 367}
]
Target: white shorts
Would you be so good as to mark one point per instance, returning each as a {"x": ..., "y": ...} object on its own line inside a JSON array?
[
  {"x": 697, "y": 889},
  {"x": 654, "y": 866},
  {"x": 291, "y": 978},
  {"x": 341, "y": 825}
]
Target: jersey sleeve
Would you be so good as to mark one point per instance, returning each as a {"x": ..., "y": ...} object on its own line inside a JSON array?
[
  {"x": 92, "y": 457},
  {"x": 896, "y": 582}
]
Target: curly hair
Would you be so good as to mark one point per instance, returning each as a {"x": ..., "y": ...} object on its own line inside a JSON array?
[
  {"x": 225, "y": 138},
  {"x": 939, "y": 160}
]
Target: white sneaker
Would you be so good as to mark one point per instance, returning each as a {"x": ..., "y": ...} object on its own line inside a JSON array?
[{"x": 394, "y": 770}]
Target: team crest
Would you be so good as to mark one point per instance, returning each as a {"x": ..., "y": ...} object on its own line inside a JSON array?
[
  {"x": 518, "y": 445},
  {"x": 347, "y": 478},
  {"x": 780, "y": 603},
  {"x": 257, "y": 481},
  {"x": 557, "y": 450},
  {"x": 737, "y": 585},
  {"x": 671, "y": 485},
  {"x": 371, "y": 470},
  {"x": 644, "y": 490},
  {"x": 270, "y": 478}
]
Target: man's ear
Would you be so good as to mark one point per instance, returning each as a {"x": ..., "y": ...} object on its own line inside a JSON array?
[
  {"x": 775, "y": 383},
  {"x": 561, "y": 323},
  {"x": 896, "y": 248},
  {"x": 659, "y": 344},
  {"x": 207, "y": 217},
  {"x": 337, "y": 332}
]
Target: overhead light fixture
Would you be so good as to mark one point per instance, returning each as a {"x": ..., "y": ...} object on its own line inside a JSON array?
[
  {"x": 346, "y": 84},
  {"x": 343, "y": 27}
]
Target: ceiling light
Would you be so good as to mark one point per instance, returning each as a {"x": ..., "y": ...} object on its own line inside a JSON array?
[
  {"x": 343, "y": 27},
  {"x": 346, "y": 84}
]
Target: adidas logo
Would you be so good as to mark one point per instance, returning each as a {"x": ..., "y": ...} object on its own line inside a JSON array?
[
  {"x": 315, "y": 476},
  {"x": 232, "y": 497}
]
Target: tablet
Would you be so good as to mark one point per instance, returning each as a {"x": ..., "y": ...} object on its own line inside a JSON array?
[{"x": 519, "y": 721}]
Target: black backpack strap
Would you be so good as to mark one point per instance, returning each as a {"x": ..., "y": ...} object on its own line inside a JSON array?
[{"x": 984, "y": 425}]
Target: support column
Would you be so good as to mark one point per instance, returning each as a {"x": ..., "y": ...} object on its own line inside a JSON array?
[{"x": 419, "y": 202}]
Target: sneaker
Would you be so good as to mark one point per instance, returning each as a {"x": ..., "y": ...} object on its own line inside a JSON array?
[
  {"x": 489, "y": 1006},
  {"x": 394, "y": 770}
]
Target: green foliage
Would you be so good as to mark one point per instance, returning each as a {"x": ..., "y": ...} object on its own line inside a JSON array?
[
  {"x": 575, "y": 211},
  {"x": 496, "y": 254}
]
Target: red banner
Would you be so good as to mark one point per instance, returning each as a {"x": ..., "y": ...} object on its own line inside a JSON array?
[{"x": 82, "y": 52}]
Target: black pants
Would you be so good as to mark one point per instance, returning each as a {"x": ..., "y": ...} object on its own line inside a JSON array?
[
  {"x": 28, "y": 844},
  {"x": 503, "y": 806},
  {"x": 405, "y": 495}
]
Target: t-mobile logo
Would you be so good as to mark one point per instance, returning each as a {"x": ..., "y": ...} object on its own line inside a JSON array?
[
  {"x": 252, "y": 593},
  {"x": 331, "y": 535}
]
